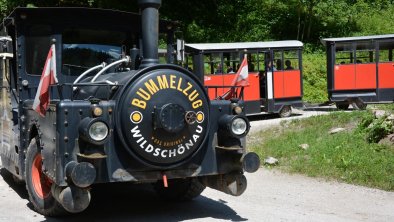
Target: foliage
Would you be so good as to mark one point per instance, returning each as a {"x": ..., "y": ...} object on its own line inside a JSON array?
[
  {"x": 344, "y": 156},
  {"x": 261, "y": 20},
  {"x": 256, "y": 20},
  {"x": 375, "y": 129},
  {"x": 314, "y": 77}
]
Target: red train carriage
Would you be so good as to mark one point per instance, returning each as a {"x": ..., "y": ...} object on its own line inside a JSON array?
[
  {"x": 360, "y": 70},
  {"x": 275, "y": 72}
]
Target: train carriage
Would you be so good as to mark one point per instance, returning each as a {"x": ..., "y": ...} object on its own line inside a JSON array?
[
  {"x": 275, "y": 72},
  {"x": 115, "y": 114},
  {"x": 360, "y": 70}
]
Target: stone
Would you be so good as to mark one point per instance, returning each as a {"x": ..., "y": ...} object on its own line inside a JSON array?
[
  {"x": 391, "y": 117},
  {"x": 271, "y": 161},
  {"x": 304, "y": 146},
  {"x": 336, "y": 130},
  {"x": 388, "y": 140},
  {"x": 379, "y": 113}
]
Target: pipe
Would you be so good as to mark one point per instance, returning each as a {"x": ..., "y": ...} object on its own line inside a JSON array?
[
  {"x": 125, "y": 59},
  {"x": 150, "y": 31},
  {"x": 81, "y": 174},
  {"x": 72, "y": 198},
  {"x": 102, "y": 65}
]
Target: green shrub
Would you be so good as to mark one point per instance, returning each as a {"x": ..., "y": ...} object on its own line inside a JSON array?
[
  {"x": 378, "y": 129},
  {"x": 375, "y": 129},
  {"x": 314, "y": 76}
]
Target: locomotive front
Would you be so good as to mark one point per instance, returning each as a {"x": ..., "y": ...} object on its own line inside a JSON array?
[{"x": 154, "y": 124}]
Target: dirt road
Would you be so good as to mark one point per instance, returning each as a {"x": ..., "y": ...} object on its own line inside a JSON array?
[{"x": 271, "y": 196}]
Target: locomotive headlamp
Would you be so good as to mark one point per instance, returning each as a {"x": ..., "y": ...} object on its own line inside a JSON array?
[
  {"x": 235, "y": 126},
  {"x": 239, "y": 126},
  {"x": 93, "y": 130},
  {"x": 98, "y": 131}
]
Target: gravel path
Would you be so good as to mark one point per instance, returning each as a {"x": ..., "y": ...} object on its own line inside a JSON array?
[
  {"x": 262, "y": 122},
  {"x": 271, "y": 196}
]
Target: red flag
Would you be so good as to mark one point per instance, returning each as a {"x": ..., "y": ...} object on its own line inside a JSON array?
[
  {"x": 48, "y": 77},
  {"x": 242, "y": 76}
]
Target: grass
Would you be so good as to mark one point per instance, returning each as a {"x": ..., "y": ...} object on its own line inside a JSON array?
[{"x": 345, "y": 156}]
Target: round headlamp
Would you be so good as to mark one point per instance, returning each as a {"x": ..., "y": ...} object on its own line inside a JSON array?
[
  {"x": 93, "y": 130},
  {"x": 239, "y": 126},
  {"x": 98, "y": 131},
  {"x": 234, "y": 125}
]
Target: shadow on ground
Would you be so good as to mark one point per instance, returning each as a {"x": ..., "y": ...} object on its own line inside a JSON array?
[
  {"x": 258, "y": 117},
  {"x": 129, "y": 202}
]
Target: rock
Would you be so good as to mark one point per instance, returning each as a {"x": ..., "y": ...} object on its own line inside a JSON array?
[
  {"x": 388, "y": 140},
  {"x": 271, "y": 161},
  {"x": 336, "y": 130},
  {"x": 379, "y": 113},
  {"x": 304, "y": 146},
  {"x": 391, "y": 117}
]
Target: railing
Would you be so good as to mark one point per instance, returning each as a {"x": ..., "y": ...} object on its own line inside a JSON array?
[{"x": 232, "y": 92}]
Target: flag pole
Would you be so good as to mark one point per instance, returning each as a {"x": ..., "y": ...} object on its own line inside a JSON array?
[{"x": 58, "y": 86}]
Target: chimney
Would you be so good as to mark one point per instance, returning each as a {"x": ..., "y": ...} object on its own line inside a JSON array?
[{"x": 150, "y": 31}]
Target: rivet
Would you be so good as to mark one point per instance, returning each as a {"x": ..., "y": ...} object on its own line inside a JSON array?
[
  {"x": 66, "y": 111},
  {"x": 66, "y": 139}
]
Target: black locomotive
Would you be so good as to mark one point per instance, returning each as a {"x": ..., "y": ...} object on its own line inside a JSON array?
[{"x": 116, "y": 114}]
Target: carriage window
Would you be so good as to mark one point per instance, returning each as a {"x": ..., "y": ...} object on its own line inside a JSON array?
[
  {"x": 365, "y": 56},
  {"x": 261, "y": 62},
  {"x": 213, "y": 64},
  {"x": 344, "y": 57},
  {"x": 252, "y": 62},
  {"x": 231, "y": 62},
  {"x": 385, "y": 55},
  {"x": 37, "y": 44},
  {"x": 83, "y": 48},
  {"x": 291, "y": 60},
  {"x": 189, "y": 61},
  {"x": 365, "y": 52},
  {"x": 278, "y": 60}
]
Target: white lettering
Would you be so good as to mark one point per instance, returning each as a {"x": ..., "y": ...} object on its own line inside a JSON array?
[
  {"x": 163, "y": 153},
  {"x": 172, "y": 153}
]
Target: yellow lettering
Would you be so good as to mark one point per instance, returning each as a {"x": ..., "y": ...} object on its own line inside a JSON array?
[
  {"x": 152, "y": 87},
  {"x": 172, "y": 81},
  {"x": 179, "y": 84},
  {"x": 143, "y": 94},
  {"x": 163, "y": 84},
  {"x": 138, "y": 103},
  {"x": 193, "y": 95},
  {"x": 197, "y": 104},
  {"x": 189, "y": 86}
]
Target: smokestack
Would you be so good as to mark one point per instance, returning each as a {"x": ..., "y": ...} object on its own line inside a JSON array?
[{"x": 150, "y": 31}]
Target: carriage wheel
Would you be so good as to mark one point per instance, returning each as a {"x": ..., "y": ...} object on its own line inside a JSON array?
[
  {"x": 359, "y": 105},
  {"x": 38, "y": 185},
  {"x": 342, "y": 106},
  {"x": 285, "y": 111}
]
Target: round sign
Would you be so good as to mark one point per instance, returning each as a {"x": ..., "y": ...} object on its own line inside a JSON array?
[{"x": 163, "y": 116}]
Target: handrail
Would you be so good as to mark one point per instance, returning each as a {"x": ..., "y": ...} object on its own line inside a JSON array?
[{"x": 125, "y": 59}]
